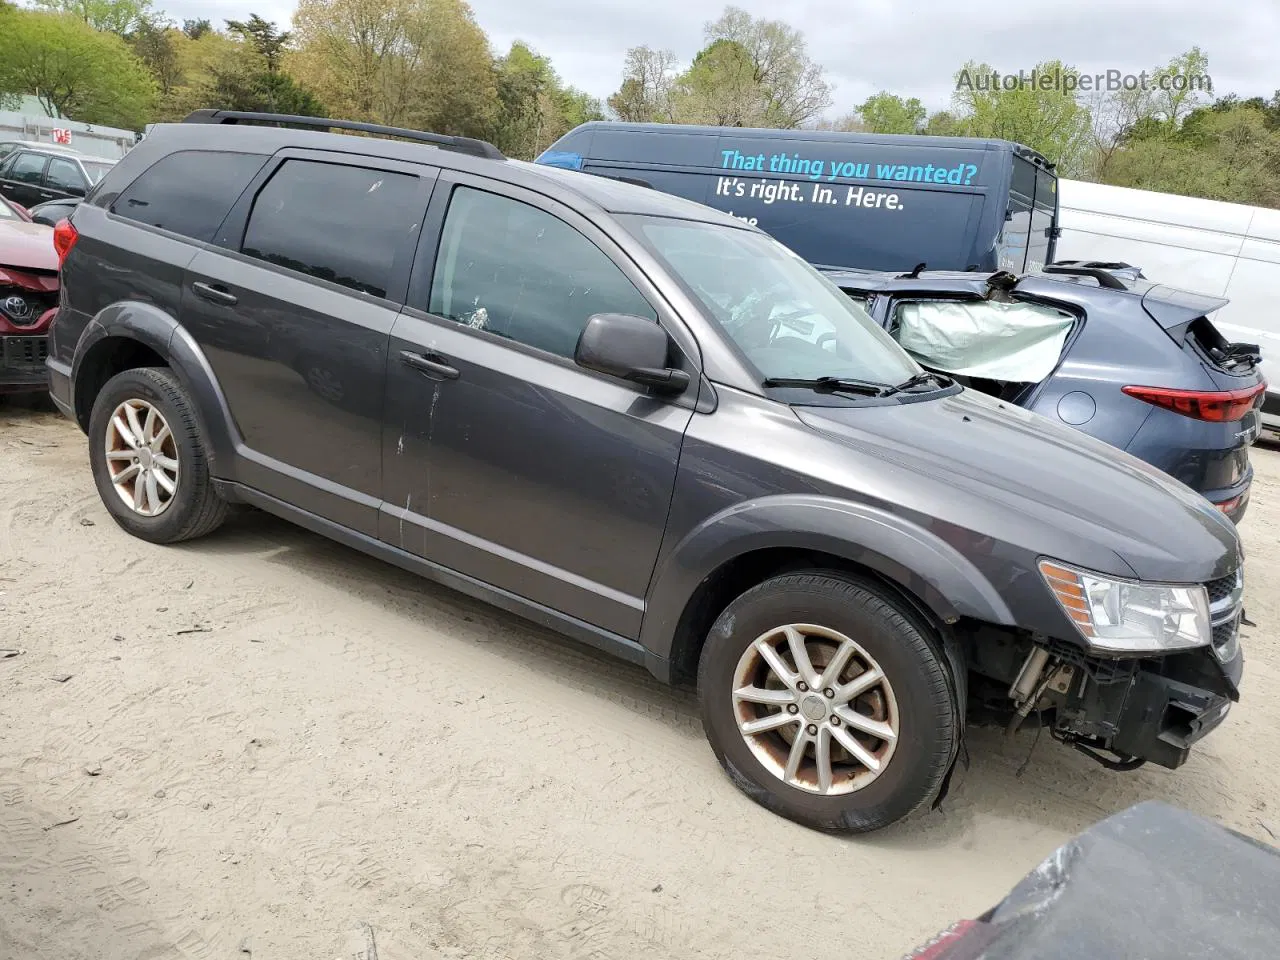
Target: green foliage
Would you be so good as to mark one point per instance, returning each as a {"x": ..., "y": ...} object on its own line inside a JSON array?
[
  {"x": 1223, "y": 154},
  {"x": 75, "y": 70},
  {"x": 534, "y": 106},
  {"x": 752, "y": 72},
  {"x": 113, "y": 16},
  {"x": 195, "y": 29},
  {"x": 887, "y": 113},
  {"x": 1046, "y": 117},
  {"x": 416, "y": 63},
  {"x": 269, "y": 42}
]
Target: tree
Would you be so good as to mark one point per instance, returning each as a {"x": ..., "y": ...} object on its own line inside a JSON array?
[
  {"x": 1156, "y": 108},
  {"x": 648, "y": 79},
  {"x": 793, "y": 88},
  {"x": 1047, "y": 117},
  {"x": 75, "y": 70},
  {"x": 415, "y": 63},
  {"x": 1231, "y": 154},
  {"x": 113, "y": 16},
  {"x": 153, "y": 42},
  {"x": 534, "y": 106},
  {"x": 720, "y": 89},
  {"x": 265, "y": 38},
  {"x": 195, "y": 29},
  {"x": 231, "y": 71},
  {"x": 887, "y": 113}
]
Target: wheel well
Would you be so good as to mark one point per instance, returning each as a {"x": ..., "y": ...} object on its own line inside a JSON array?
[
  {"x": 104, "y": 360},
  {"x": 740, "y": 574}
]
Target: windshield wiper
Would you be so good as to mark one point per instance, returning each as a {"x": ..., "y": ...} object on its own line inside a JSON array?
[
  {"x": 919, "y": 380},
  {"x": 831, "y": 385}
]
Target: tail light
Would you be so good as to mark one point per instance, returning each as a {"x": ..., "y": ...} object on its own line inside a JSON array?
[
  {"x": 64, "y": 238},
  {"x": 1219, "y": 406}
]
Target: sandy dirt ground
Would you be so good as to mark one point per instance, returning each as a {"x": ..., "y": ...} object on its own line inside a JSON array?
[{"x": 265, "y": 745}]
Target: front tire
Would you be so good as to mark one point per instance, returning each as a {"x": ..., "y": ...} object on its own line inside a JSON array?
[
  {"x": 149, "y": 459},
  {"x": 826, "y": 703}
]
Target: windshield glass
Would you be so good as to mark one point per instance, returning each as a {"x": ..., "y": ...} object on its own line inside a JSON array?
[
  {"x": 96, "y": 171},
  {"x": 786, "y": 318}
]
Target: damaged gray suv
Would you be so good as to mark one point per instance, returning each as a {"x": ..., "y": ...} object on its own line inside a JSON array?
[{"x": 642, "y": 423}]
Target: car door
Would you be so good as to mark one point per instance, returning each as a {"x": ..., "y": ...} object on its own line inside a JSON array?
[
  {"x": 299, "y": 293},
  {"x": 64, "y": 179},
  {"x": 23, "y": 179},
  {"x": 506, "y": 461}
]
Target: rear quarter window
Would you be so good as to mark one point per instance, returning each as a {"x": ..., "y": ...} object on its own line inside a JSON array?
[
  {"x": 189, "y": 192},
  {"x": 344, "y": 224}
]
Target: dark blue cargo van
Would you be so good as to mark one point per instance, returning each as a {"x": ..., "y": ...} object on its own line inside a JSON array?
[{"x": 870, "y": 201}]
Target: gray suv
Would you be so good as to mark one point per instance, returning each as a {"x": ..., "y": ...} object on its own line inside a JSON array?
[{"x": 575, "y": 398}]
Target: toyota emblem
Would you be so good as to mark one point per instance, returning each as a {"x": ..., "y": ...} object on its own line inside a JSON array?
[{"x": 17, "y": 308}]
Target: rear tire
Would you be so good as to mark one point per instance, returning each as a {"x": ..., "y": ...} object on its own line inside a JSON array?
[
  {"x": 877, "y": 730},
  {"x": 149, "y": 458}
]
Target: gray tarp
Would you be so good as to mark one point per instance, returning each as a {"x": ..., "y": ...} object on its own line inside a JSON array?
[{"x": 1021, "y": 342}]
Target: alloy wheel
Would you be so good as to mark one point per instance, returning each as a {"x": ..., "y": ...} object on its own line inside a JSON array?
[
  {"x": 815, "y": 709},
  {"x": 142, "y": 457}
]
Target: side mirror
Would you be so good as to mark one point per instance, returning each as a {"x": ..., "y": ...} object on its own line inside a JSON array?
[{"x": 630, "y": 348}]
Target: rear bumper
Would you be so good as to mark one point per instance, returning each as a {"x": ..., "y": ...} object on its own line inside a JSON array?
[
  {"x": 1233, "y": 501},
  {"x": 22, "y": 363}
]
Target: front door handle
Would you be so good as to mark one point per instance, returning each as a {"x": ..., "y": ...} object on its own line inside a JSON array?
[
  {"x": 215, "y": 294},
  {"x": 432, "y": 364}
]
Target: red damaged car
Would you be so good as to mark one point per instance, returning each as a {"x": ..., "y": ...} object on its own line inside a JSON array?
[{"x": 28, "y": 299}]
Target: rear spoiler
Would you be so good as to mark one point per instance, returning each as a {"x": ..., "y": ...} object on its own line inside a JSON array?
[
  {"x": 1181, "y": 313},
  {"x": 1171, "y": 307}
]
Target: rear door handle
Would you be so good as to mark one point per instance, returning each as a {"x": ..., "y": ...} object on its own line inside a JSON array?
[
  {"x": 431, "y": 364},
  {"x": 215, "y": 294}
]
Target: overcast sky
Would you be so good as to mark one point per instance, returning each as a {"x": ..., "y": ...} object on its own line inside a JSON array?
[{"x": 869, "y": 45}]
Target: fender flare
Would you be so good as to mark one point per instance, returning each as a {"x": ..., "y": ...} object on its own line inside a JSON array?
[
  {"x": 904, "y": 553},
  {"x": 157, "y": 330}
]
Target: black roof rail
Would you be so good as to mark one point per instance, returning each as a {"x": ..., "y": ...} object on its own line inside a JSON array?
[
  {"x": 476, "y": 148},
  {"x": 1105, "y": 279},
  {"x": 634, "y": 181}
]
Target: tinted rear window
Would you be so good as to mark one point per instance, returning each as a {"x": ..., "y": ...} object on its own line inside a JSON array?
[
  {"x": 344, "y": 224},
  {"x": 189, "y": 192}
]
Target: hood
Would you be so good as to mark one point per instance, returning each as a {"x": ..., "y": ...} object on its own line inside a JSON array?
[
  {"x": 27, "y": 246},
  {"x": 1021, "y": 479}
]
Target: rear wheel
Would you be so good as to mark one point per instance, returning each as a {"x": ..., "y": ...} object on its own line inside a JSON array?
[
  {"x": 149, "y": 460},
  {"x": 826, "y": 704}
]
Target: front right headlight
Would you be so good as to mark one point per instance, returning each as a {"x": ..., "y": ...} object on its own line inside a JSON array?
[{"x": 1130, "y": 616}]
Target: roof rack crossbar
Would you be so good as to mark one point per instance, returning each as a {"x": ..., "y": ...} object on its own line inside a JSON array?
[{"x": 468, "y": 145}]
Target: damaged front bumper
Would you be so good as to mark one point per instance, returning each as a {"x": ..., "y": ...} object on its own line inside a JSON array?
[
  {"x": 22, "y": 357},
  {"x": 1155, "y": 709},
  {"x": 28, "y": 302}
]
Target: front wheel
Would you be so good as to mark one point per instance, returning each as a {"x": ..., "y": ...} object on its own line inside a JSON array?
[{"x": 826, "y": 704}]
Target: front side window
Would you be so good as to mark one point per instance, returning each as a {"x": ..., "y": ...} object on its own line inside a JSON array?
[
  {"x": 521, "y": 273},
  {"x": 189, "y": 192},
  {"x": 335, "y": 222},
  {"x": 785, "y": 317},
  {"x": 65, "y": 176},
  {"x": 27, "y": 168}
]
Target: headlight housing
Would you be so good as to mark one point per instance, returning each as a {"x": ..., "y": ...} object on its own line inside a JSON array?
[{"x": 1128, "y": 616}]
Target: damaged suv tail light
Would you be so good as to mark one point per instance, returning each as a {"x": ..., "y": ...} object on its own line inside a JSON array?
[
  {"x": 1219, "y": 406},
  {"x": 64, "y": 238}
]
